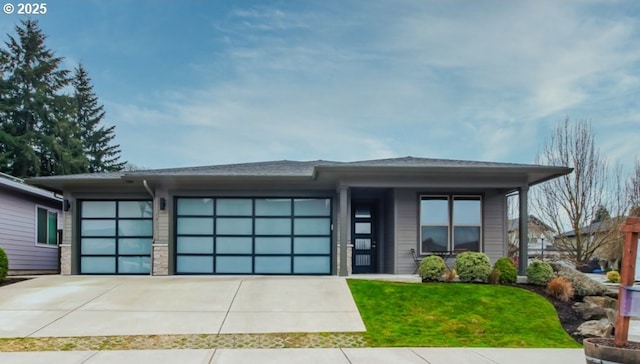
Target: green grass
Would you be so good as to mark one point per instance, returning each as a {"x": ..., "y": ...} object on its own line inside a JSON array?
[{"x": 457, "y": 315}]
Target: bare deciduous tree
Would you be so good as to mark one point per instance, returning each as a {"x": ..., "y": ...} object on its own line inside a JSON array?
[
  {"x": 633, "y": 190},
  {"x": 575, "y": 201}
]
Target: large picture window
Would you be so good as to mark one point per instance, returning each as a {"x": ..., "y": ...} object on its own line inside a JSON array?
[
  {"x": 449, "y": 223},
  {"x": 46, "y": 227}
]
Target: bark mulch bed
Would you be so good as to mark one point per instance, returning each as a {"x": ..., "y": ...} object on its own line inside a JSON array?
[{"x": 569, "y": 318}]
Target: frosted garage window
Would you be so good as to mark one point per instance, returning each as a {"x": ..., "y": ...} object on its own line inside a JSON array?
[
  {"x": 134, "y": 265},
  {"x": 233, "y": 207},
  {"x": 195, "y": 206},
  {"x": 94, "y": 265},
  {"x": 311, "y": 265},
  {"x": 234, "y": 226},
  {"x": 234, "y": 245},
  {"x": 273, "y": 226},
  {"x": 134, "y": 246},
  {"x": 135, "y": 227},
  {"x": 195, "y": 245},
  {"x": 312, "y": 207},
  {"x": 311, "y": 245},
  {"x": 238, "y": 265},
  {"x": 279, "y": 245},
  {"x": 98, "y": 228},
  {"x": 273, "y": 265},
  {"x": 98, "y": 209},
  {"x": 312, "y": 226},
  {"x": 195, "y": 225},
  {"x": 132, "y": 209},
  {"x": 273, "y": 207},
  {"x": 194, "y": 264},
  {"x": 91, "y": 246}
]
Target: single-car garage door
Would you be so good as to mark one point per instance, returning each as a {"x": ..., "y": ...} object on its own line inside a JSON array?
[
  {"x": 116, "y": 237},
  {"x": 253, "y": 235}
]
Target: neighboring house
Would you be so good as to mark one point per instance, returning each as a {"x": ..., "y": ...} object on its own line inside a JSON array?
[
  {"x": 605, "y": 236},
  {"x": 29, "y": 220},
  {"x": 540, "y": 236},
  {"x": 287, "y": 217}
]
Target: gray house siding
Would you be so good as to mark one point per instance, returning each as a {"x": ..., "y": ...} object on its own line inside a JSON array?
[
  {"x": 494, "y": 223},
  {"x": 18, "y": 233},
  {"x": 389, "y": 238},
  {"x": 407, "y": 230}
]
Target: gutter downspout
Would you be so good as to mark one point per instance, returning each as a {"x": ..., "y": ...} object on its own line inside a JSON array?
[{"x": 153, "y": 238}]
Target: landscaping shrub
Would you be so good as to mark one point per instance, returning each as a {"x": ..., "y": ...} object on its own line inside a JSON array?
[
  {"x": 582, "y": 284},
  {"x": 472, "y": 266},
  {"x": 4, "y": 264},
  {"x": 450, "y": 275},
  {"x": 494, "y": 276},
  {"x": 560, "y": 288},
  {"x": 431, "y": 268},
  {"x": 539, "y": 273},
  {"x": 508, "y": 271},
  {"x": 613, "y": 276}
]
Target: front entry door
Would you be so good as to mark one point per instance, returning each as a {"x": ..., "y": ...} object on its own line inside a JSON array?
[{"x": 363, "y": 233}]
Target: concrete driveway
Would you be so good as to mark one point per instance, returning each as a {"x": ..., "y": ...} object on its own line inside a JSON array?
[{"x": 58, "y": 306}]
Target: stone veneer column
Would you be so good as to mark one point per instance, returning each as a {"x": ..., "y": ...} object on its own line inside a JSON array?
[
  {"x": 161, "y": 235},
  {"x": 65, "y": 259},
  {"x": 67, "y": 239}
]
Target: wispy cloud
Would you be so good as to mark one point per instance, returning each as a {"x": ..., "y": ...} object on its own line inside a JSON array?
[{"x": 479, "y": 80}]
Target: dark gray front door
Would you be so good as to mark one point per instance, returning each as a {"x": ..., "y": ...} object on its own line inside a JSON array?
[{"x": 363, "y": 233}]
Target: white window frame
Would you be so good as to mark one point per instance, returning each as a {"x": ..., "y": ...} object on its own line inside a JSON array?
[
  {"x": 450, "y": 227},
  {"x": 49, "y": 210}
]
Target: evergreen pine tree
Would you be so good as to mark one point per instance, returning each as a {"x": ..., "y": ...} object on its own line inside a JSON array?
[
  {"x": 96, "y": 139},
  {"x": 33, "y": 130}
]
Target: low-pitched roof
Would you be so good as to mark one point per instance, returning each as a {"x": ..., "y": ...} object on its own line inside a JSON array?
[
  {"x": 514, "y": 224},
  {"x": 17, "y": 184},
  {"x": 309, "y": 169}
]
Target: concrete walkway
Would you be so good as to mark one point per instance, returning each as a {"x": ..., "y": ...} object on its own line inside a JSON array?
[
  {"x": 307, "y": 356},
  {"x": 59, "y": 306}
]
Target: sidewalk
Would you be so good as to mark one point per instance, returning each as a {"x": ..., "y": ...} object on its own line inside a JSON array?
[{"x": 306, "y": 356}]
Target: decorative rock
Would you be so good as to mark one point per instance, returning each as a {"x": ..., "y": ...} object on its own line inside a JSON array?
[
  {"x": 596, "y": 328},
  {"x": 590, "y": 311},
  {"x": 602, "y": 301}
]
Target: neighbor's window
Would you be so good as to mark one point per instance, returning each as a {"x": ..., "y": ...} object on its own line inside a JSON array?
[
  {"x": 450, "y": 223},
  {"x": 47, "y": 226}
]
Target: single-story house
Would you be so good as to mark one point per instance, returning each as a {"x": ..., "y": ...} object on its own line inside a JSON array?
[
  {"x": 287, "y": 217},
  {"x": 29, "y": 221}
]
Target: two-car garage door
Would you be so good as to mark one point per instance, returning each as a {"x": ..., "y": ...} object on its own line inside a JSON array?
[
  {"x": 253, "y": 235},
  {"x": 213, "y": 235}
]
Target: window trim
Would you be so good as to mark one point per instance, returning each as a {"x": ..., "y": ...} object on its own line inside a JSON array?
[
  {"x": 451, "y": 198},
  {"x": 49, "y": 210}
]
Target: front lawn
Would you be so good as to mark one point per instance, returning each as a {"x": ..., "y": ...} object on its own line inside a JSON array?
[{"x": 457, "y": 315}]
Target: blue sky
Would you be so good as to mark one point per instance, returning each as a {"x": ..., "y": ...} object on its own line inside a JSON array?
[{"x": 212, "y": 82}]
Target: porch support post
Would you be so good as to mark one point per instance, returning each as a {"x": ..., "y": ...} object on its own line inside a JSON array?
[
  {"x": 344, "y": 219},
  {"x": 523, "y": 237}
]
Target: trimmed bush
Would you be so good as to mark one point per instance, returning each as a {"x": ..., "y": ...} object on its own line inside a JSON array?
[
  {"x": 508, "y": 271},
  {"x": 613, "y": 276},
  {"x": 539, "y": 273},
  {"x": 4, "y": 264},
  {"x": 473, "y": 266},
  {"x": 431, "y": 268},
  {"x": 560, "y": 288}
]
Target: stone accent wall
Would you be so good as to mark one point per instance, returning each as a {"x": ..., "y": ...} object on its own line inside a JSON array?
[
  {"x": 349, "y": 259},
  {"x": 65, "y": 259},
  {"x": 160, "y": 259}
]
